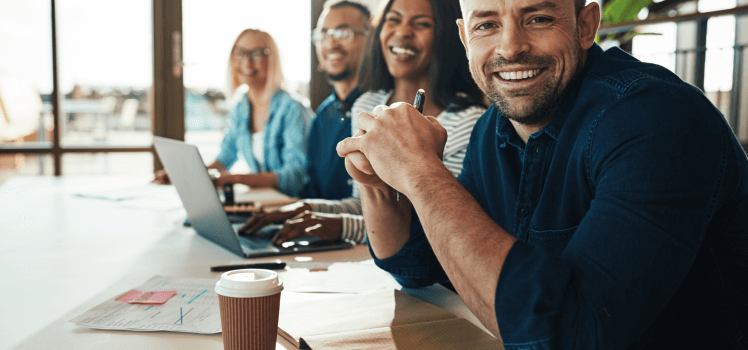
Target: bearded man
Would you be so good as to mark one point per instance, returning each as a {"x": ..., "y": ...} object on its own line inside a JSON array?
[{"x": 603, "y": 202}]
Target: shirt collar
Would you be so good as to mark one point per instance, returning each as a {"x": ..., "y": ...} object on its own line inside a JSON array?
[
  {"x": 505, "y": 129},
  {"x": 345, "y": 105}
]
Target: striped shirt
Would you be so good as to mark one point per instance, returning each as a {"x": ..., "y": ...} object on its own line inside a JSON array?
[{"x": 459, "y": 125}]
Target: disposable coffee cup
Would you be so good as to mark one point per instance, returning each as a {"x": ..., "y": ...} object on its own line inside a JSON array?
[{"x": 249, "y": 301}]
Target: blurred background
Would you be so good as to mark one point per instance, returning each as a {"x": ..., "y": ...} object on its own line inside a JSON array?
[{"x": 85, "y": 84}]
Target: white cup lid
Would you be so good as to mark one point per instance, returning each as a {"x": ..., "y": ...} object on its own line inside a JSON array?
[{"x": 249, "y": 283}]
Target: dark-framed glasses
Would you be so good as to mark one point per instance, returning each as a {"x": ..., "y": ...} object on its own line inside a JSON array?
[
  {"x": 255, "y": 55},
  {"x": 341, "y": 35}
]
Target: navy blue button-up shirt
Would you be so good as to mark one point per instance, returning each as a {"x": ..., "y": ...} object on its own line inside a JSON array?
[
  {"x": 328, "y": 178},
  {"x": 631, "y": 214}
]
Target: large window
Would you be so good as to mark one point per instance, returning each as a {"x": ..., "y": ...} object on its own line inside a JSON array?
[
  {"x": 103, "y": 69},
  {"x": 25, "y": 83},
  {"x": 105, "y": 72},
  {"x": 657, "y": 45}
]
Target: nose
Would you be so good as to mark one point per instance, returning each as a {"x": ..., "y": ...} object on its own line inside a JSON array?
[
  {"x": 249, "y": 63},
  {"x": 513, "y": 42},
  {"x": 404, "y": 30}
]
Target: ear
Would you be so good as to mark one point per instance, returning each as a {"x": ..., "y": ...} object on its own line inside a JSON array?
[
  {"x": 588, "y": 22},
  {"x": 463, "y": 38}
]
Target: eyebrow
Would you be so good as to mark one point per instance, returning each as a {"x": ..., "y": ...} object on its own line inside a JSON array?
[
  {"x": 482, "y": 13},
  {"x": 537, "y": 7},
  {"x": 414, "y": 17},
  {"x": 532, "y": 8}
]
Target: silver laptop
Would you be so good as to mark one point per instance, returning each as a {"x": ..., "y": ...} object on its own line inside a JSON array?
[{"x": 205, "y": 210}]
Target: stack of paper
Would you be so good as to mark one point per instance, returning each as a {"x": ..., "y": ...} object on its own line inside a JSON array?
[
  {"x": 349, "y": 277},
  {"x": 379, "y": 320}
]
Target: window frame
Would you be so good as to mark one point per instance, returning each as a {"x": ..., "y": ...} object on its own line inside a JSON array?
[{"x": 168, "y": 98}]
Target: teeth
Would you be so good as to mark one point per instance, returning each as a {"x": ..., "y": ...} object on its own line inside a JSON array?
[
  {"x": 334, "y": 56},
  {"x": 402, "y": 51},
  {"x": 519, "y": 75}
]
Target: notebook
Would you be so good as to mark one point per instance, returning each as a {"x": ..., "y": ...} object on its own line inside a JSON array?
[{"x": 207, "y": 215}]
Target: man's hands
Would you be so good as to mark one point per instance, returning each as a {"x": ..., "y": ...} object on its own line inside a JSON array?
[
  {"x": 392, "y": 144},
  {"x": 327, "y": 227},
  {"x": 260, "y": 220}
]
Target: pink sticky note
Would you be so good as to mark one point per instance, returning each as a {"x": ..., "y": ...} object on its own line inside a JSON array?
[{"x": 138, "y": 297}]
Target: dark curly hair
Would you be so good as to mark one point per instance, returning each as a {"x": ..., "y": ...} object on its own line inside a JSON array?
[{"x": 452, "y": 87}]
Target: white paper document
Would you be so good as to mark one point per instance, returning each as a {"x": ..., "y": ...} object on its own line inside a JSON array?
[
  {"x": 194, "y": 309},
  {"x": 350, "y": 277},
  {"x": 127, "y": 193}
]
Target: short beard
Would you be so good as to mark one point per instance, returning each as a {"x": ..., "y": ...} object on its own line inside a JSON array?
[
  {"x": 345, "y": 74},
  {"x": 545, "y": 103}
]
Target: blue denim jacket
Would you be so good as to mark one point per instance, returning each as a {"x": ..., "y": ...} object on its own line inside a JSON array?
[
  {"x": 284, "y": 144},
  {"x": 631, "y": 214},
  {"x": 328, "y": 178}
]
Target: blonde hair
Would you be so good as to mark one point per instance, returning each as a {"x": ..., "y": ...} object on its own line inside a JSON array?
[{"x": 274, "y": 80}]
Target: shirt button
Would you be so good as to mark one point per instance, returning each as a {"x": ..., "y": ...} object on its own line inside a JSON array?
[
  {"x": 537, "y": 149},
  {"x": 525, "y": 211}
]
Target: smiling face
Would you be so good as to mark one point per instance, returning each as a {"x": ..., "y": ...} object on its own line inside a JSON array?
[
  {"x": 407, "y": 38},
  {"x": 524, "y": 53},
  {"x": 340, "y": 60},
  {"x": 253, "y": 72}
]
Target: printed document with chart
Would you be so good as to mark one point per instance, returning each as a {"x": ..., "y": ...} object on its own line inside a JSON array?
[{"x": 194, "y": 309}]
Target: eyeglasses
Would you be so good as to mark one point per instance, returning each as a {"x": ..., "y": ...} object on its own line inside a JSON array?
[
  {"x": 341, "y": 35},
  {"x": 256, "y": 55}
]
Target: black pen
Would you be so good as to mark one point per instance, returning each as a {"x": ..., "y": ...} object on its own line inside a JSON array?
[
  {"x": 418, "y": 104},
  {"x": 266, "y": 266},
  {"x": 420, "y": 99}
]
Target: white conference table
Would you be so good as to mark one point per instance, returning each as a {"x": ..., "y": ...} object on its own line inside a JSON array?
[{"x": 61, "y": 255}]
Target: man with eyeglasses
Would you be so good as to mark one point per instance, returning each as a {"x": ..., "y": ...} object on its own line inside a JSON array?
[{"x": 339, "y": 41}]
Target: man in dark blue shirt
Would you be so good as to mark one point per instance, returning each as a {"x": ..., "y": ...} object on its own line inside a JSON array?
[
  {"x": 339, "y": 40},
  {"x": 603, "y": 202},
  {"x": 327, "y": 176}
]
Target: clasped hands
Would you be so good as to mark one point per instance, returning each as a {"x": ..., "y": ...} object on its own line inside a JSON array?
[{"x": 392, "y": 146}]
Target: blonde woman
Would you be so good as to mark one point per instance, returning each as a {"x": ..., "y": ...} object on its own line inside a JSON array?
[{"x": 268, "y": 126}]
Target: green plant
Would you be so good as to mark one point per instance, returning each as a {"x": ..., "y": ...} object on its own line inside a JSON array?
[{"x": 619, "y": 11}]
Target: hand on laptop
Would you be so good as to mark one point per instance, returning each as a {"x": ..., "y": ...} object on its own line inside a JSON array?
[
  {"x": 260, "y": 220},
  {"x": 328, "y": 227}
]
